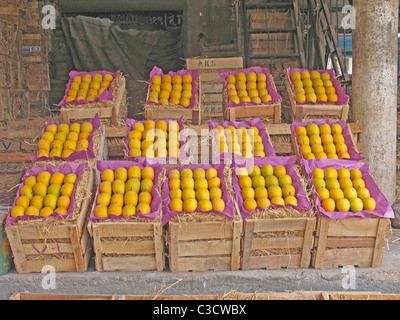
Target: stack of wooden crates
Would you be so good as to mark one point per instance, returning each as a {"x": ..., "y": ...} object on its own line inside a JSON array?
[
  {"x": 212, "y": 85},
  {"x": 24, "y": 88},
  {"x": 24, "y": 65}
]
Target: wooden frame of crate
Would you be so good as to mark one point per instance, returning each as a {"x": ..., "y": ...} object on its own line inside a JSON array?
[
  {"x": 204, "y": 241},
  {"x": 309, "y": 112},
  {"x": 303, "y": 243},
  {"x": 66, "y": 246},
  {"x": 212, "y": 86},
  {"x": 159, "y": 112},
  {"x": 280, "y": 237},
  {"x": 127, "y": 244},
  {"x": 268, "y": 113},
  {"x": 121, "y": 246},
  {"x": 111, "y": 113},
  {"x": 352, "y": 241},
  {"x": 204, "y": 245},
  {"x": 354, "y": 130}
]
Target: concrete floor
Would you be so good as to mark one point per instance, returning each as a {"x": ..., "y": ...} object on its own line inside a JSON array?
[{"x": 385, "y": 279}]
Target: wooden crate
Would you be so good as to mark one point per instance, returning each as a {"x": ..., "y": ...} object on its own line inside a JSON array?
[
  {"x": 282, "y": 139},
  {"x": 354, "y": 131},
  {"x": 134, "y": 244},
  {"x": 204, "y": 241},
  {"x": 310, "y": 112},
  {"x": 351, "y": 241},
  {"x": 113, "y": 114},
  {"x": 270, "y": 113},
  {"x": 300, "y": 243},
  {"x": 211, "y": 82},
  {"x": 65, "y": 246},
  {"x": 128, "y": 245},
  {"x": 174, "y": 112},
  {"x": 204, "y": 246}
]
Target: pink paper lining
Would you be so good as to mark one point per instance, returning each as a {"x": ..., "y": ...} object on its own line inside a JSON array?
[
  {"x": 268, "y": 148},
  {"x": 114, "y": 165},
  {"x": 79, "y": 155},
  {"x": 342, "y": 97},
  {"x": 287, "y": 162},
  {"x": 276, "y": 97},
  {"x": 76, "y": 168},
  {"x": 354, "y": 155},
  {"x": 106, "y": 95},
  {"x": 130, "y": 123},
  {"x": 195, "y": 90},
  {"x": 229, "y": 206},
  {"x": 383, "y": 207}
]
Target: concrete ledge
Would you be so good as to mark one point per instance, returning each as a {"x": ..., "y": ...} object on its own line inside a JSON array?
[{"x": 385, "y": 279}]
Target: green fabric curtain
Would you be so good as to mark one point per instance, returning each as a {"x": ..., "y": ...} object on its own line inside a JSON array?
[{"x": 99, "y": 44}]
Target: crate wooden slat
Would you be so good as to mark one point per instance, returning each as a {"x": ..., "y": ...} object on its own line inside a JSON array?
[
  {"x": 352, "y": 241},
  {"x": 310, "y": 112},
  {"x": 204, "y": 246},
  {"x": 66, "y": 247},
  {"x": 302, "y": 245}
]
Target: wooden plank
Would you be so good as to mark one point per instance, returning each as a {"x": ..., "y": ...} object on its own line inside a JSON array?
[
  {"x": 380, "y": 242},
  {"x": 248, "y": 243},
  {"x": 210, "y": 77},
  {"x": 41, "y": 248},
  {"x": 34, "y": 232},
  {"x": 361, "y": 257},
  {"x": 320, "y": 243},
  {"x": 204, "y": 248},
  {"x": 116, "y": 132},
  {"x": 77, "y": 249},
  {"x": 275, "y": 262},
  {"x": 214, "y": 63},
  {"x": 20, "y": 134},
  {"x": 338, "y": 242},
  {"x": 203, "y": 264},
  {"x": 275, "y": 225},
  {"x": 139, "y": 247},
  {"x": 132, "y": 263},
  {"x": 173, "y": 246},
  {"x": 159, "y": 246},
  {"x": 17, "y": 249},
  {"x": 277, "y": 243},
  {"x": 353, "y": 227},
  {"x": 237, "y": 235},
  {"x": 121, "y": 230},
  {"x": 308, "y": 243},
  {"x": 14, "y": 157},
  {"x": 205, "y": 230},
  {"x": 60, "y": 265},
  {"x": 97, "y": 247}
]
